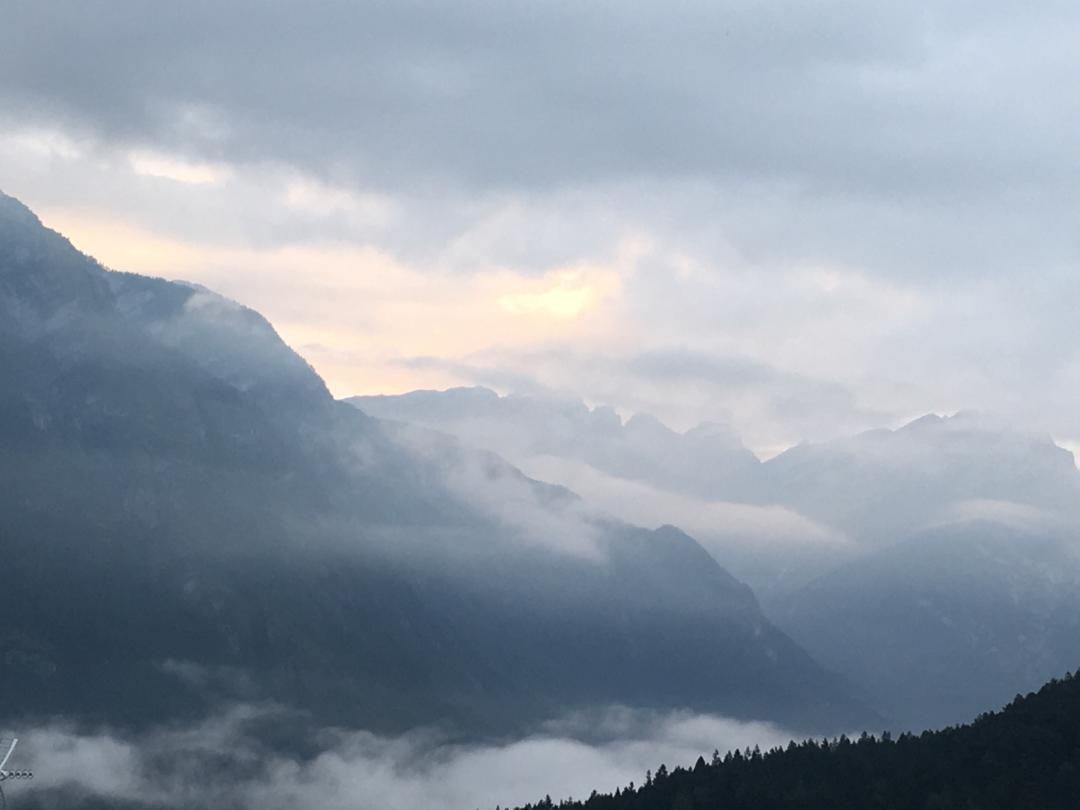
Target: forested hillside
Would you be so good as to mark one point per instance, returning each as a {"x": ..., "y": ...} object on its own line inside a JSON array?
[{"x": 1025, "y": 756}]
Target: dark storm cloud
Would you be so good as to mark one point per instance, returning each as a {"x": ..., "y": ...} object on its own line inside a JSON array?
[{"x": 881, "y": 98}]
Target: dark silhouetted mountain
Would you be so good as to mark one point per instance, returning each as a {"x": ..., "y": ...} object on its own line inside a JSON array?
[
  {"x": 187, "y": 517},
  {"x": 1025, "y": 756}
]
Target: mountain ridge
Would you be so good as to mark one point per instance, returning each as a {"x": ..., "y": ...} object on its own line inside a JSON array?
[
  {"x": 832, "y": 536},
  {"x": 181, "y": 494}
]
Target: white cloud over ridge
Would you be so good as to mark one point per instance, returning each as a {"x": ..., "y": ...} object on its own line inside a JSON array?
[{"x": 768, "y": 528}]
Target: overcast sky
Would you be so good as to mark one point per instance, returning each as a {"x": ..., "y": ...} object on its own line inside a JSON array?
[{"x": 802, "y": 219}]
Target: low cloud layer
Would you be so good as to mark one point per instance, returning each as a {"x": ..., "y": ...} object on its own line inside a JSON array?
[
  {"x": 532, "y": 513},
  {"x": 769, "y": 529},
  {"x": 220, "y": 763}
]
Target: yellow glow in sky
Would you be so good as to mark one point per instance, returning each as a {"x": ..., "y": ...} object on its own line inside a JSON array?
[
  {"x": 359, "y": 315},
  {"x": 568, "y": 297}
]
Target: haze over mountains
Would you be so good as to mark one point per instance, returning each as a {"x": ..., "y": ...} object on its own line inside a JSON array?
[
  {"x": 192, "y": 523},
  {"x": 719, "y": 366},
  {"x": 190, "y": 519},
  {"x": 935, "y": 566}
]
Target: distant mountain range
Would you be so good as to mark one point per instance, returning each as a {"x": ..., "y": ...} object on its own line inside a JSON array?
[
  {"x": 935, "y": 566},
  {"x": 872, "y": 486},
  {"x": 187, "y": 518}
]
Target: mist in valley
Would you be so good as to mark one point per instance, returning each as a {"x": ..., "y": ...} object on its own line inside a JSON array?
[{"x": 406, "y": 405}]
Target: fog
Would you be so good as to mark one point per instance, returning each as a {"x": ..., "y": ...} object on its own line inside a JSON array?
[
  {"x": 221, "y": 762},
  {"x": 867, "y": 487},
  {"x": 766, "y": 527},
  {"x": 532, "y": 513}
]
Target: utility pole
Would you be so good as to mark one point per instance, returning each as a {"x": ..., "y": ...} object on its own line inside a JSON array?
[{"x": 7, "y": 748}]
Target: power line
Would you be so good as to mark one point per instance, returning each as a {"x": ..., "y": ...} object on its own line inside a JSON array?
[{"x": 7, "y": 746}]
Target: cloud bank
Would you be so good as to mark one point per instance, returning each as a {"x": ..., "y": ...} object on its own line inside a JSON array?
[{"x": 221, "y": 762}]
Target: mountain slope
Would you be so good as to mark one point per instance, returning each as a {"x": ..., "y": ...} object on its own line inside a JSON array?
[
  {"x": 953, "y": 620},
  {"x": 1026, "y": 756},
  {"x": 935, "y": 566},
  {"x": 881, "y": 485},
  {"x": 187, "y": 517},
  {"x": 876, "y": 487}
]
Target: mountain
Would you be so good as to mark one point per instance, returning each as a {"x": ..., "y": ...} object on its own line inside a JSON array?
[
  {"x": 187, "y": 518},
  {"x": 948, "y": 622},
  {"x": 1027, "y": 755},
  {"x": 935, "y": 566},
  {"x": 963, "y": 589},
  {"x": 883, "y": 484},
  {"x": 875, "y": 487},
  {"x": 639, "y": 470},
  {"x": 708, "y": 461}
]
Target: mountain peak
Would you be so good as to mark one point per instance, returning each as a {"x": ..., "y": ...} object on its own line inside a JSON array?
[
  {"x": 647, "y": 423},
  {"x": 42, "y": 275},
  {"x": 13, "y": 210},
  {"x": 48, "y": 288},
  {"x": 930, "y": 420}
]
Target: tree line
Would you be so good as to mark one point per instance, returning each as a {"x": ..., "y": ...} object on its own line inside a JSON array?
[{"x": 1024, "y": 757}]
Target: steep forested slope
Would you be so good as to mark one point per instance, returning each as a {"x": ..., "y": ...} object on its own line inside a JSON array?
[{"x": 1026, "y": 756}]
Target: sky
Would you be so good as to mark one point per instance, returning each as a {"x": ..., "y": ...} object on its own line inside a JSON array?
[{"x": 798, "y": 219}]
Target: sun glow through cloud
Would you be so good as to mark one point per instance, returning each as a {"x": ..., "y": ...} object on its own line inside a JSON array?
[
  {"x": 354, "y": 311},
  {"x": 569, "y": 296}
]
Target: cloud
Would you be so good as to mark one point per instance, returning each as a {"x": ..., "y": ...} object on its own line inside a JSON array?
[
  {"x": 767, "y": 529},
  {"x": 536, "y": 514},
  {"x": 170, "y": 168},
  {"x": 222, "y": 762},
  {"x": 1015, "y": 515},
  {"x": 874, "y": 201},
  {"x": 769, "y": 408},
  {"x": 787, "y": 396},
  {"x": 567, "y": 297},
  {"x": 495, "y": 95}
]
